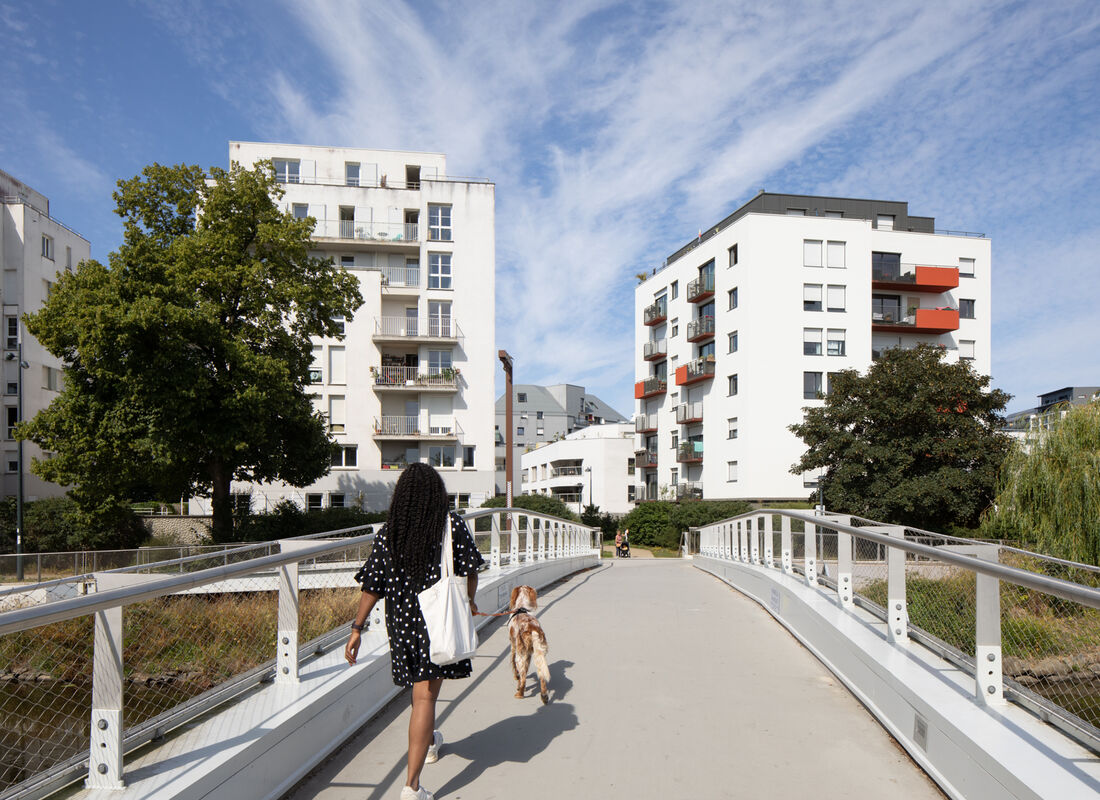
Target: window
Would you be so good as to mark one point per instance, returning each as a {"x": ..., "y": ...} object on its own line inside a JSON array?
[
  {"x": 337, "y": 365},
  {"x": 439, "y": 271},
  {"x": 733, "y": 297},
  {"x": 348, "y": 262},
  {"x": 733, "y": 341},
  {"x": 47, "y": 247},
  {"x": 439, "y": 223},
  {"x": 811, "y": 297},
  {"x": 835, "y": 342},
  {"x": 459, "y": 501},
  {"x": 538, "y": 415},
  {"x": 674, "y": 328},
  {"x": 674, "y": 476},
  {"x": 346, "y": 456},
  {"x": 675, "y": 440},
  {"x": 336, "y": 500},
  {"x": 966, "y": 309},
  {"x": 316, "y": 374},
  {"x": 630, "y": 466},
  {"x": 441, "y": 455},
  {"x": 835, "y": 252},
  {"x": 51, "y": 379},
  {"x": 336, "y": 419},
  {"x": 338, "y": 322},
  {"x": 520, "y": 430},
  {"x": 811, "y": 385},
  {"x": 439, "y": 318},
  {"x": 732, "y": 433},
  {"x": 468, "y": 456},
  {"x": 811, "y": 479},
  {"x": 540, "y": 431},
  {"x": 884, "y": 222},
  {"x": 521, "y": 397},
  {"x": 13, "y": 387},
  {"x": 836, "y": 300},
  {"x": 811, "y": 341},
  {"x": 830, "y": 378},
  {"x": 314, "y": 502},
  {"x": 351, "y": 174},
  {"x": 674, "y": 290},
  {"x": 811, "y": 252},
  {"x": 69, "y": 259},
  {"x": 630, "y": 493},
  {"x": 796, "y": 212},
  {"x": 885, "y": 307},
  {"x": 966, "y": 267},
  {"x": 966, "y": 350},
  {"x": 731, "y": 471},
  {"x": 12, "y": 420},
  {"x": 732, "y": 385},
  {"x": 438, "y": 361},
  {"x": 733, "y": 256},
  {"x": 300, "y": 210},
  {"x": 13, "y": 466},
  {"x": 835, "y": 214},
  {"x": 47, "y": 288},
  {"x": 286, "y": 172}
]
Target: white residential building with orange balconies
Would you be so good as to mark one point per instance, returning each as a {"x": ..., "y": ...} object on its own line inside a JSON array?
[{"x": 741, "y": 328}]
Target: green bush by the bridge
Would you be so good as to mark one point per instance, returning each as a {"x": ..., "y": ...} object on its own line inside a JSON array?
[
  {"x": 661, "y": 522},
  {"x": 539, "y": 503},
  {"x": 55, "y": 524},
  {"x": 286, "y": 519}
]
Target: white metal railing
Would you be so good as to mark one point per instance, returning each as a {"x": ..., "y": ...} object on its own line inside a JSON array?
[
  {"x": 655, "y": 348},
  {"x": 958, "y": 610},
  {"x": 441, "y": 426},
  {"x": 366, "y": 231},
  {"x": 700, "y": 367},
  {"x": 690, "y": 490},
  {"x": 558, "y": 472},
  {"x": 101, "y": 646},
  {"x": 435, "y": 377},
  {"x": 416, "y": 327},
  {"x": 687, "y": 413},
  {"x": 702, "y": 326},
  {"x": 401, "y": 276},
  {"x": 645, "y": 422}
]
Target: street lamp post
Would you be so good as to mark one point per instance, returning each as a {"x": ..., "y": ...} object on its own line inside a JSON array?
[
  {"x": 19, "y": 456},
  {"x": 591, "y": 500},
  {"x": 506, "y": 360}
]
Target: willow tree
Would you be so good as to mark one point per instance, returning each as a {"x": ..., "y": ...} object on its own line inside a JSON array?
[
  {"x": 187, "y": 356},
  {"x": 1049, "y": 487}
]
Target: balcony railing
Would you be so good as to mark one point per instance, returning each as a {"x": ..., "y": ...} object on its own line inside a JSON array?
[
  {"x": 916, "y": 278},
  {"x": 562, "y": 472},
  {"x": 363, "y": 231},
  {"x": 689, "y": 490},
  {"x": 688, "y": 413},
  {"x": 394, "y": 277},
  {"x": 412, "y": 377},
  {"x": 700, "y": 329},
  {"x": 645, "y": 423},
  {"x": 656, "y": 313},
  {"x": 649, "y": 387},
  {"x": 700, "y": 369},
  {"x": 646, "y": 459},
  {"x": 917, "y": 320},
  {"x": 701, "y": 288},
  {"x": 655, "y": 350},
  {"x": 416, "y": 328},
  {"x": 645, "y": 493},
  {"x": 689, "y": 452},
  {"x": 435, "y": 427}
]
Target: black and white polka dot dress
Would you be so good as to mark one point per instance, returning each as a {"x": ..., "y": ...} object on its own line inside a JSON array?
[{"x": 407, "y": 631}]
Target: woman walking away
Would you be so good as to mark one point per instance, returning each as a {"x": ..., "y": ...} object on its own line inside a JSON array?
[{"x": 405, "y": 561}]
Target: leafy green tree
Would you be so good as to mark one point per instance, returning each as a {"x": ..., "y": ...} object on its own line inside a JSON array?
[
  {"x": 1049, "y": 488},
  {"x": 591, "y": 515},
  {"x": 660, "y": 523},
  {"x": 541, "y": 503},
  {"x": 55, "y": 524},
  {"x": 187, "y": 357},
  {"x": 915, "y": 441}
]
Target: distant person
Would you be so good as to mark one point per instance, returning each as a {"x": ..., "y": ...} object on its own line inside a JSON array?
[
  {"x": 618, "y": 544},
  {"x": 626, "y": 543},
  {"x": 405, "y": 561}
]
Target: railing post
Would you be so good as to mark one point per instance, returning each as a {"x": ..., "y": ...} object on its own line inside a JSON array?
[
  {"x": 513, "y": 548},
  {"x": 543, "y": 531},
  {"x": 809, "y": 547},
  {"x": 754, "y": 538},
  {"x": 286, "y": 647},
  {"x": 769, "y": 536},
  {"x": 725, "y": 535},
  {"x": 559, "y": 542},
  {"x": 529, "y": 552},
  {"x": 742, "y": 541},
  {"x": 844, "y": 586},
  {"x": 897, "y": 613},
  {"x": 105, "y": 752},
  {"x": 786, "y": 550},
  {"x": 494, "y": 542}
]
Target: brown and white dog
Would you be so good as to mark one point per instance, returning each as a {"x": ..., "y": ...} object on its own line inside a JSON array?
[{"x": 528, "y": 640}]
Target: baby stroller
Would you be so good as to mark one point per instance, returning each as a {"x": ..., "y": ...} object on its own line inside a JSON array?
[{"x": 624, "y": 551}]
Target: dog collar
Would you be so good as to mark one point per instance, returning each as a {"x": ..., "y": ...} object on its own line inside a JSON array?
[{"x": 520, "y": 611}]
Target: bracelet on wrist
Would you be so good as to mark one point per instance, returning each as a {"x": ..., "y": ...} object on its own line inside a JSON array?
[{"x": 355, "y": 626}]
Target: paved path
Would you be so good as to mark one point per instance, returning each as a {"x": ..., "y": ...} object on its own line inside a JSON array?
[{"x": 665, "y": 683}]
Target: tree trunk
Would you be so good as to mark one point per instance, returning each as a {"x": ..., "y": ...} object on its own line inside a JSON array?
[{"x": 222, "y": 505}]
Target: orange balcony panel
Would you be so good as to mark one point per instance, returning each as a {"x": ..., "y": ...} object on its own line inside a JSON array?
[
  {"x": 937, "y": 279},
  {"x": 649, "y": 388},
  {"x": 694, "y": 371},
  {"x": 926, "y": 320}
]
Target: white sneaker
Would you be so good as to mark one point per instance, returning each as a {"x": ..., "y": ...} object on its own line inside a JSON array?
[
  {"x": 433, "y": 748},
  {"x": 416, "y": 794}
]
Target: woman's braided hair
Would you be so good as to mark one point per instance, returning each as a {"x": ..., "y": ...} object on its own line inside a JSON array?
[{"x": 414, "y": 527}]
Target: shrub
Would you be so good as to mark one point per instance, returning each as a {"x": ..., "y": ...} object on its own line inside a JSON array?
[
  {"x": 55, "y": 524},
  {"x": 661, "y": 523},
  {"x": 286, "y": 519}
]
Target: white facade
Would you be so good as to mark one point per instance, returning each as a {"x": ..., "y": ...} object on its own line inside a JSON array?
[
  {"x": 593, "y": 465},
  {"x": 34, "y": 248},
  {"x": 413, "y": 378},
  {"x": 793, "y": 300}
]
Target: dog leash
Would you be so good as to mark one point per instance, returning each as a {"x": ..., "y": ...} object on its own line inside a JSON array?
[{"x": 502, "y": 613}]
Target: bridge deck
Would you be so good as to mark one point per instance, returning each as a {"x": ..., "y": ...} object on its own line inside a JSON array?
[{"x": 665, "y": 684}]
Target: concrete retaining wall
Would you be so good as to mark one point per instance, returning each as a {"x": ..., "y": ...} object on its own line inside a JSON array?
[{"x": 179, "y": 529}]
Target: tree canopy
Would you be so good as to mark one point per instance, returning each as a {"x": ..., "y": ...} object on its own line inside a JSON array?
[
  {"x": 540, "y": 503},
  {"x": 1048, "y": 494},
  {"x": 660, "y": 523},
  {"x": 915, "y": 441},
  {"x": 187, "y": 356}
]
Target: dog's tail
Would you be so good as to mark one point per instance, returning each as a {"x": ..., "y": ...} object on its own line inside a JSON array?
[{"x": 538, "y": 642}]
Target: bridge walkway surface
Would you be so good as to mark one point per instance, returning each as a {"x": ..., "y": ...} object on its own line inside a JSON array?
[{"x": 665, "y": 683}]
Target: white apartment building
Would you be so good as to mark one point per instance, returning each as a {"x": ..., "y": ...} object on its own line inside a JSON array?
[
  {"x": 34, "y": 247},
  {"x": 593, "y": 465},
  {"x": 413, "y": 378},
  {"x": 741, "y": 328}
]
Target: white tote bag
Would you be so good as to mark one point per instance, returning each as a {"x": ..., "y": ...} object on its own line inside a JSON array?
[{"x": 446, "y": 609}]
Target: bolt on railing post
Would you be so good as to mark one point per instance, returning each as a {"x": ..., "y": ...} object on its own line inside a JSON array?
[
  {"x": 897, "y": 613},
  {"x": 286, "y": 654},
  {"x": 844, "y": 586},
  {"x": 809, "y": 547},
  {"x": 988, "y": 672},
  {"x": 787, "y": 551},
  {"x": 105, "y": 748},
  {"x": 494, "y": 542}
]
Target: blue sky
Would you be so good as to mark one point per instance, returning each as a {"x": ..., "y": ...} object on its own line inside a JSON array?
[{"x": 614, "y": 131}]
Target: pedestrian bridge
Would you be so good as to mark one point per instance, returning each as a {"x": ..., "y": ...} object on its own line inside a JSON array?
[{"x": 784, "y": 657}]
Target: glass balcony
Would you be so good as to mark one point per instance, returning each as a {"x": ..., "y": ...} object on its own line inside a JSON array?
[
  {"x": 689, "y": 490},
  {"x": 915, "y": 278},
  {"x": 650, "y": 387},
  {"x": 916, "y": 320},
  {"x": 656, "y": 313},
  {"x": 689, "y": 413},
  {"x": 700, "y": 369},
  {"x": 645, "y": 423},
  {"x": 690, "y": 452},
  {"x": 700, "y": 289},
  {"x": 700, "y": 329},
  {"x": 655, "y": 350}
]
